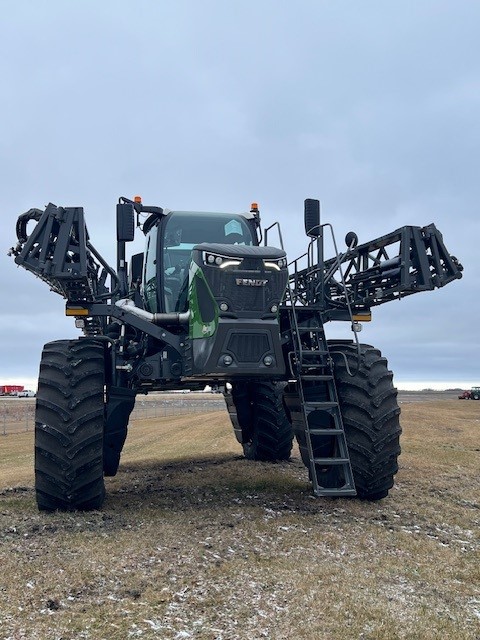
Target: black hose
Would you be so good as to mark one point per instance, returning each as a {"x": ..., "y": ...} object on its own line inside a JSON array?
[{"x": 23, "y": 220}]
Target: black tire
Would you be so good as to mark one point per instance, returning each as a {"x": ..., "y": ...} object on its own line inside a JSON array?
[
  {"x": 260, "y": 421},
  {"x": 119, "y": 406},
  {"x": 69, "y": 424},
  {"x": 370, "y": 414},
  {"x": 371, "y": 417},
  {"x": 476, "y": 396}
]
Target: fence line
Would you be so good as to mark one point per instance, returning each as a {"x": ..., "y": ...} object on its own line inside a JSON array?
[
  {"x": 165, "y": 407},
  {"x": 17, "y": 416}
]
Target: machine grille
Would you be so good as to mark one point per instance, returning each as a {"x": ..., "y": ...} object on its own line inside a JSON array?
[
  {"x": 249, "y": 299},
  {"x": 248, "y": 347}
]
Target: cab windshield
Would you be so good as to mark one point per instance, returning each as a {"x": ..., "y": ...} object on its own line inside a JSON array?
[{"x": 182, "y": 231}]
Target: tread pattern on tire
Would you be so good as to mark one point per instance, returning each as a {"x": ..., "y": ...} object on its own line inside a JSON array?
[
  {"x": 370, "y": 413},
  {"x": 69, "y": 424},
  {"x": 267, "y": 434}
]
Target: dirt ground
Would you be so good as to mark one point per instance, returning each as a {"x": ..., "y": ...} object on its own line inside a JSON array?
[{"x": 196, "y": 542}]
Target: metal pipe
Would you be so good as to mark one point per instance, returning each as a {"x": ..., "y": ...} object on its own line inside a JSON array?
[{"x": 156, "y": 318}]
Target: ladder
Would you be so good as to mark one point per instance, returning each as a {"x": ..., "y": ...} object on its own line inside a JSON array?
[{"x": 315, "y": 410}]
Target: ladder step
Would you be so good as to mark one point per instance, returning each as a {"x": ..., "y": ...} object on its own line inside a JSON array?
[
  {"x": 319, "y": 377},
  {"x": 334, "y": 492},
  {"x": 311, "y": 329},
  {"x": 328, "y": 462},
  {"x": 320, "y": 405},
  {"x": 314, "y": 352}
]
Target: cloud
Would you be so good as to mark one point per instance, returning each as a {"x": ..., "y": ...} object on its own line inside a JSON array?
[{"x": 372, "y": 107}]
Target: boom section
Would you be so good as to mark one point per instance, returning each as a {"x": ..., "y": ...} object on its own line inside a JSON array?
[
  {"x": 406, "y": 261},
  {"x": 59, "y": 252}
]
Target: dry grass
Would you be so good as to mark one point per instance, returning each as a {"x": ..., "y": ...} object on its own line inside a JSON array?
[{"x": 195, "y": 542}]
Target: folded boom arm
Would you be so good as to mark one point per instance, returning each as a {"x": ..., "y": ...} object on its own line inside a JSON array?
[
  {"x": 59, "y": 252},
  {"x": 406, "y": 261}
]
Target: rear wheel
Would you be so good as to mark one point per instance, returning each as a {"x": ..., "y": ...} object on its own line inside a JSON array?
[
  {"x": 120, "y": 404},
  {"x": 259, "y": 419},
  {"x": 69, "y": 426}
]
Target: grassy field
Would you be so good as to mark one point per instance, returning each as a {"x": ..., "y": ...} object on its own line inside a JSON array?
[{"x": 195, "y": 542}]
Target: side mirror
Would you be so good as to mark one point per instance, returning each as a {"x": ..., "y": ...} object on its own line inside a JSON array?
[
  {"x": 125, "y": 222},
  {"x": 351, "y": 240},
  {"x": 312, "y": 218}
]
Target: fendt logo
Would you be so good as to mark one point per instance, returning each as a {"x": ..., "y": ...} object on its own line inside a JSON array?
[{"x": 251, "y": 282}]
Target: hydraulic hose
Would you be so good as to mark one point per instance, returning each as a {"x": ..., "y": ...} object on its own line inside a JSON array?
[{"x": 23, "y": 220}]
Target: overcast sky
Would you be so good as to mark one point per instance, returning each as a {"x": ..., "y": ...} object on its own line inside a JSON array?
[{"x": 372, "y": 107}]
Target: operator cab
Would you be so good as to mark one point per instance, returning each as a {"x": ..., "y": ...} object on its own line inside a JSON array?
[{"x": 170, "y": 242}]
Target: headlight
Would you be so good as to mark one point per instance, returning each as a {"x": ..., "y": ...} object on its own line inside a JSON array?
[
  {"x": 220, "y": 261},
  {"x": 230, "y": 263},
  {"x": 277, "y": 265}
]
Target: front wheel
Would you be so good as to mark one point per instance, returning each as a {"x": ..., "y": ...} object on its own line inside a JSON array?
[
  {"x": 370, "y": 414},
  {"x": 69, "y": 426}
]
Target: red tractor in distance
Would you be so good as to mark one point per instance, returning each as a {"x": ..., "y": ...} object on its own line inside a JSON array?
[{"x": 471, "y": 394}]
